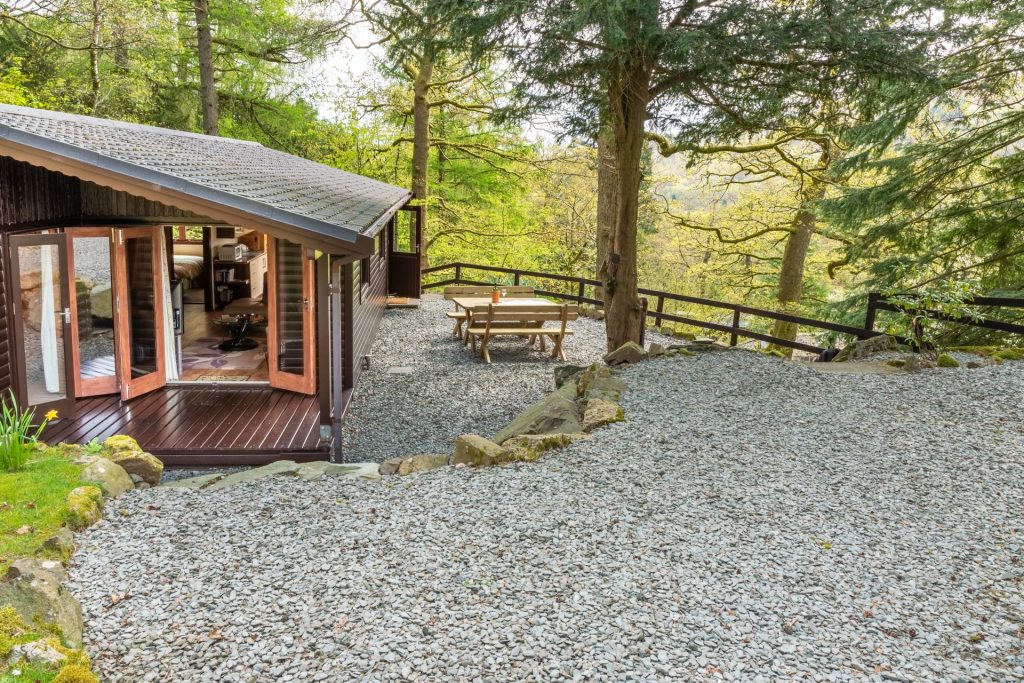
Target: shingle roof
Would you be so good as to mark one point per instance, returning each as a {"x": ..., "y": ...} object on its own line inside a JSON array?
[{"x": 245, "y": 176}]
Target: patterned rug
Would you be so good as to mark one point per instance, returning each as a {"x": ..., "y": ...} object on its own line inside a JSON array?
[{"x": 203, "y": 353}]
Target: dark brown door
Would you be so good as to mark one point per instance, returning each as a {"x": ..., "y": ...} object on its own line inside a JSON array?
[
  {"x": 42, "y": 323},
  {"x": 139, "y": 311},
  {"x": 405, "y": 235},
  {"x": 291, "y": 316},
  {"x": 93, "y": 345}
]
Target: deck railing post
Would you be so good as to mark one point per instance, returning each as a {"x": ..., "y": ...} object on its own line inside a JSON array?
[
  {"x": 581, "y": 291},
  {"x": 869, "y": 318},
  {"x": 458, "y": 273},
  {"x": 643, "y": 319},
  {"x": 660, "y": 309},
  {"x": 734, "y": 337},
  {"x": 515, "y": 281}
]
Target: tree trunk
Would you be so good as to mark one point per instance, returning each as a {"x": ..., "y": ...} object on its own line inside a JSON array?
[
  {"x": 629, "y": 96},
  {"x": 794, "y": 258},
  {"x": 607, "y": 194},
  {"x": 421, "y": 142},
  {"x": 207, "y": 84},
  {"x": 94, "y": 55}
]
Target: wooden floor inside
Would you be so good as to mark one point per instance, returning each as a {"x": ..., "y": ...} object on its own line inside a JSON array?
[{"x": 208, "y": 425}]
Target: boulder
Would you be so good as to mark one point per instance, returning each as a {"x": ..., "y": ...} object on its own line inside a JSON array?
[
  {"x": 39, "y": 653},
  {"x": 862, "y": 348},
  {"x": 101, "y": 302},
  {"x": 254, "y": 474},
  {"x": 39, "y": 597},
  {"x": 356, "y": 470},
  {"x": 61, "y": 543},
  {"x": 192, "y": 483},
  {"x": 599, "y": 413},
  {"x": 947, "y": 361},
  {"x": 563, "y": 373},
  {"x": 655, "y": 349},
  {"x": 915, "y": 363},
  {"x": 477, "y": 451},
  {"x": 27, "y": 567},
  {"x": 682, "y": 349},
  {"x": 630, "y": 352},
  {"x": 600, "y": 385},
  {"x": 109, "y": 476},
  {"x": 556, "y": 413},
  {"x": 127, "y": 453},
  {"x": 415, "y": 463},
  {"x": 597, "y": 314},
  {"x": 529, "y": 447},
  {"x": 85, "y": 506}
]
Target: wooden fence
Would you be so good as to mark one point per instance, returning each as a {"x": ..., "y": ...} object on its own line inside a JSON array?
[{"x": 582, "y": 290}]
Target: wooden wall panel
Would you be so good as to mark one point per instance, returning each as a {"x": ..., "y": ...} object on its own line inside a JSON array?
[
  {"x": 100, "y": 202},
  {"x": 368, "y": 302},
  {"x": 30, "y": 195},
  {"x": 5, "y": 347}
]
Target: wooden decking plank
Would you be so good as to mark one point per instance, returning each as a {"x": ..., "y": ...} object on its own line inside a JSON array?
[
  {"x": 287, "y": 409},
  {"x": 153, "y": 416},
  {"x": 260, "y": 420},
  {"x": 298, "y": 427},
  {"x": 214, "y": 408},
  {"x": 242, "y": 417}
]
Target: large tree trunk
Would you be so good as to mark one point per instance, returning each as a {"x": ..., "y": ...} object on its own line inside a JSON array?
[
  {"x": 607, "y": 195},
  {"x": 421, "y": 142},
  {"x": 94, "y": 55},
  {"x": 207, "y": 84},
  {"x": 794, "y": 258},
  {"x": 629, "y": 96}
]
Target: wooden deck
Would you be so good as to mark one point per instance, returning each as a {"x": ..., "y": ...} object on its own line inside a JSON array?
[{"x": 186, "y": 425}]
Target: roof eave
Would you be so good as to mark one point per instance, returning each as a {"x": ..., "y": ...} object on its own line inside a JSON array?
[{"x": 144, "y": 182}]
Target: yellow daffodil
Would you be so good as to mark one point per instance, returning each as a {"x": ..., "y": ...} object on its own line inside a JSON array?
[{"x": 52, "y": 415}]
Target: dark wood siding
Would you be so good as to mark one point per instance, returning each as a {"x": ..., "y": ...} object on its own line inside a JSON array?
[
  {"x": 31, "y": 196},
  {"x": 100, "y": 202},
  {"x": 368, "y": 302},
  {"x": 5, "y": 347}
]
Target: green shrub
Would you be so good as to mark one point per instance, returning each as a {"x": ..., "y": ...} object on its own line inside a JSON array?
[
  {"x": 947, "y": 361},
  {"x": 17, "y": 438}
]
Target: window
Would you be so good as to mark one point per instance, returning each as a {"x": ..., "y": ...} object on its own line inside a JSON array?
[{"x": 187, "y": 234}]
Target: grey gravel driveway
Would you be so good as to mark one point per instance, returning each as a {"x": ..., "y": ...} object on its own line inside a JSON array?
[{"x": 751, "y": 520}]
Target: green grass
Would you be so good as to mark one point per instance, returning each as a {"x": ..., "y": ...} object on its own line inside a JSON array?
[{"x": 32, "y": 501}]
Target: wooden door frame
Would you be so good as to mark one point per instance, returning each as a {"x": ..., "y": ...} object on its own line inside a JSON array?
[
  {"x": 65, "y": 407},
  {"x": 133, "y": 388},
  {"x": 94, "y": 386},
  {"x": 306, "y": 382}
]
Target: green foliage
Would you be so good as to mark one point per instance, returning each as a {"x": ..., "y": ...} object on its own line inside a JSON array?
[
  {"x": 947, "y": 361},
  {"x": 18, "y": 436}
]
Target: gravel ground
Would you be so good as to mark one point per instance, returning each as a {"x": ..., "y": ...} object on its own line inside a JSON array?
[
  {"x": 750, "y": 520},
  {"x": 450, "y": 391}
]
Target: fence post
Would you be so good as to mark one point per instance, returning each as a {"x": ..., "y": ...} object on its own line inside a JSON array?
[
  {"x": 643, "y": 319},
  {"x": 659, "y": 310},
  {"x": 734, "y": 337},
  {"x": 580, "y": 291},
  {"x": 458, "y": 273},
  {"x": 515, "y": 281},
  {"x": 869, "y": 319}
]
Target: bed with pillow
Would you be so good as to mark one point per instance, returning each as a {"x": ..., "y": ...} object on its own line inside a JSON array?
[{"x": 188, "y": 268}]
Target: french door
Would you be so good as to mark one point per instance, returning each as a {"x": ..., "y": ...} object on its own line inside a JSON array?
[
  {"x": 139, "y": 311},
  {"x": 291, "y": 313},
  {"x": 42, "y": 323},
  {"x": 93, "y": 342}
]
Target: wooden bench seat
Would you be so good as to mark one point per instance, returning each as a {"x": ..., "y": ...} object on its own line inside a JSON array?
[
  {"x": 486, "y": 322},
  {"x": 453, "y": 291}
]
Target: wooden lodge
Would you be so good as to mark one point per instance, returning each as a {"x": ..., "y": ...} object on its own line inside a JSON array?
[{"x": 210, "y": 297}]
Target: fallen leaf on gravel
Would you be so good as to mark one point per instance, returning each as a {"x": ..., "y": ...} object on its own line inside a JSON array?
[{"x": 216, "y": 635}]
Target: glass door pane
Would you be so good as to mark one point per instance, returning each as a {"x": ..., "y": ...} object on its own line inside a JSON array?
[
  {"x": 139, "y": 320},
  {"x": 292, "y": 323},
  {"x": 42, "y": 322},
  {"x": 93, "y": 331}
]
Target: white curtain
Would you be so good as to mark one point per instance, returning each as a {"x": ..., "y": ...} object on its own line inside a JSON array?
[
  {"x": 48, "y": 321},
  {"x": 170, "y": 348}
]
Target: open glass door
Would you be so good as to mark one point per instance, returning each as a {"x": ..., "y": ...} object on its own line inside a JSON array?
[
  {"x": 138, "y": 311},
  {"x": 42, "y": 323},
  {"x": 91, "y": 265},
  {"x": 291, "y": 313}
]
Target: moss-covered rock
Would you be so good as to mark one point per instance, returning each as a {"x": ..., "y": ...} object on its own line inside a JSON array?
[
  {"x": 39, "y": 597},
  {"x": 109, "y": 476},
  {"x": 529, "y": 447},
  {"x": 85, "y": 506},
  {"x": 600, "y": 412},
  {"x": 896, "y": 362},
  {"x": 947, "y": 361},
  {"x": 127, "y": 453},
  {"x": 476, "y": 451},
  {"x": 556, "y": 413},
  {"x": 863, "y": 348},
  {"x": 630, "y": 352}
]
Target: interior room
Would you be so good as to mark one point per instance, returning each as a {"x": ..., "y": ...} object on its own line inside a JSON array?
[{"x": 224, "y": 309}]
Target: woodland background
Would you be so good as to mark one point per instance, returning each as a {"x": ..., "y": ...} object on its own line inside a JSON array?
[{"x": 905, "y": 184}]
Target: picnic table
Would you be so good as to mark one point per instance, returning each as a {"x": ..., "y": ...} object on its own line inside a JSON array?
[{"x": 516, "y": 316}]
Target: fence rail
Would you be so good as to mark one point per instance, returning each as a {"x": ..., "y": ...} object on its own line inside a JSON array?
[{"x": 875, "y": 302}]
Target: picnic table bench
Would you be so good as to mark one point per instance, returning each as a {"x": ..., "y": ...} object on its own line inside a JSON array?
[
  {"x": 456, "y": 292},
  {"x": 521, "y": 318}
]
